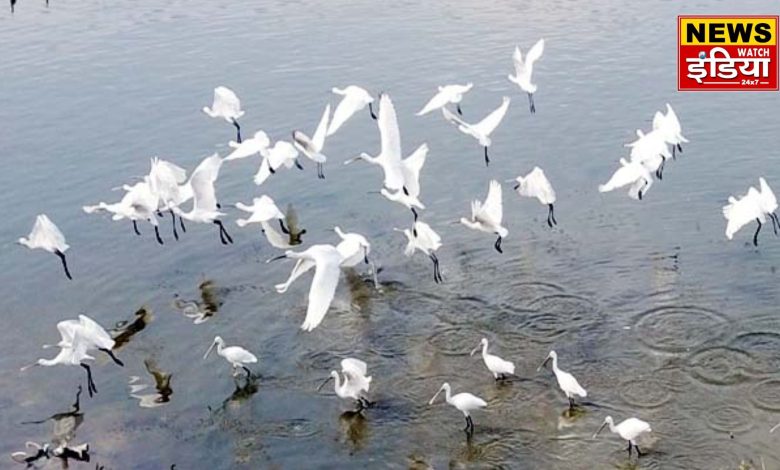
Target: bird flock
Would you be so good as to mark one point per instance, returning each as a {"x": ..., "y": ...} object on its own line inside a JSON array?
[{"x": 167, "y": 191}]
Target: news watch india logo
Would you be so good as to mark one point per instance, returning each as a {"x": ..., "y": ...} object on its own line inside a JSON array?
[{"x": 727, "y": 53}]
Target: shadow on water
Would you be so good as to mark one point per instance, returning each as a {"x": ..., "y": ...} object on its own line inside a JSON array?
[
  {"x": 126, "y": 329},
  {"x": 162, "y": 385},
  {"x": 200, "y": 311}
]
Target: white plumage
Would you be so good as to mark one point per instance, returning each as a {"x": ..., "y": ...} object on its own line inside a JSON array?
[
  {"x": 487, "y": 216},
  {"x": 263, "y": 209},
  {"x": 629, "y": 430},
  {"x": 630, "y": 173},
  {"x": 237, "y": 356},
  {"x": 524, "y": 69},
  {"x": 256, "y": 145},
  {"x": 354, "y": 99},
  {"x": 463, "y": 402},
  {"x": 445, "y": 95},
  {"x": 566, "y": 381},
  {"x": 48, "y": 237},
  {"x": 481, "y": 130},
  {"x": 651, "y": 151},
  {"x": 283, "y": 154},
  {"x": 669, "y": 126},
  {"x": 409, "y": 194},
  {"x": 754, "y": 205},
  {"x": 312, "y": 147},
  {"x": 500, "y": 368},
  {"x": 204, "y": 199},
  {"x": 422, "y": 237},
  {"x": 535, "y": 184},
  {"x": 227, "y": 106}
]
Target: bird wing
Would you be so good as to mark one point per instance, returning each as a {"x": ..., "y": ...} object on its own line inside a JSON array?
[
  {"x": 426, "y": 236},
  {"x": 173, "y": 171},
  {"x": 492, "y": 209},
  {"x": 226, "y": 102},
  {"x": 487, "y": 125},
  {"x": 439, "y": 100},
  {"x": 348, "y": 106},
  {"x": 323, "y": 287},
  {"x": 391, "y": 143},
  {"x": 354, "y": 366},
  {"x": 46, "y": 233},
  {"x": 453, "y": 118},
  {"x": 302, "y": 266},
  {"x": 536, "y": 184},
  {"x": 517, "y": 58},
  {"x": 67, "y": 330},
  {"x": 263, "y": 208},
  {"x": 412, "y": 166},
  {"x": 202, "y": 183},
  {"x": 322, "y": 128},
  {"x": 274, "y": 237},
  {"x": 282, "y": 153},
  {"x": 245, "y": 149},
  {"x": 96, "y": 333},
  {"x": 533, "y": 55},
  {"x": 626, "y": 174},
  {"x": 658, "y": 120},
  {"x": 768, "y": 199},
  {"x": 239, "y": 354},
  {"x": 263, "y": 172},
  {"x": 739, "y": 213}
]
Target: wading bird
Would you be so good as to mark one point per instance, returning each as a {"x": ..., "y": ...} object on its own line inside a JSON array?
[
  {"x": 422, "y": 237},
  {"x": 630, "y": 173},
  {"x": 46, "y": 236},
  {"x": 500, "y": 368},
  {"x": 408, "y": 196},
  {"x": 524, "y": 69},
  {"x": 629, "y": 429},
  {"x": 354, "y": 99},
  {"x": 481, "y": 130},
  {"x": 227, "y": 106},
  {"x": 355, "y": 385},
  {"x": 486, "y": 217},
  {"x": 566, "y": 381},
  {"x": 755, "y": 205},
  {"x": 204, "y": 199},
  {"x": 464, "y": 402},
  {"x": 669, "y": 126},
  {"x": 237, "y": 356},
  {"x": 312, "y": 147},
  {"x": 447, "y": 94},
  {"x": 535, "y": 184}
]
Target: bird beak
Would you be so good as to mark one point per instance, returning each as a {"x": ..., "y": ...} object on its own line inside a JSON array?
[
  {"x": 209, "y": 350},
  {"x": 351, "y": 160},
  {"x": 517, "y": 186},
  {"x": 22, "y": 369},
  {"x": 275, "y": 258},
  {"x": 543, "y": 364},
  {"x": 597, "y": 432},
  {"x": 323, "y": 383},
  {"x": 434, "y": 397},
  {"x": 474, "y": 350}
]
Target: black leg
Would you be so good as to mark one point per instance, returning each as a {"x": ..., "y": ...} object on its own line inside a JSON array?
[
  {"x": 674, "y": 153},
  {"x": 639, "y": 453},
  {"x": 679, "y": 148},
  {"x": 61, "y": 255},
  {"x": 320, "y": 171},
  {"x": 414, "y": 211},
  {"x": 157, "y": 234},
  {"x": 660, "y": 171},
  {"x": 775, "y": 222},
  {"x": 487, "y": 159},
  {"x": 114, "y": 358},
  {"x": 181, "y": 224},
  {"x": 497, "y": 245},
  {"x": 755, "y": 235},
  {"x": 173, "y": 221},
  {"x": 531, "y": 105},
  {"x": 298, "y": 164},
  {"x": 460, "y": 111},
  {"x": 551, "y": 216},
  {"x": 135, "y": 227},
  {"x": 77, "y": 405},
  {"x": 284, "y": 229},
  {"x": 629, "y": 449},
  {"x": 571, "y": 403},
  {"x": 238, "y": 131},
  {"x": 223, "y": 235},
  {"x": 371, "y": 110},
  {"x": 436, "y": 270},
  {"x": 90, "y": 384},
  {"x": 248, "y": 372}
]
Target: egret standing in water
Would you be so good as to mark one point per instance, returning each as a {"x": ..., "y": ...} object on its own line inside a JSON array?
[
  {"x": 487, "y": 216},
  {"x": 447, "y": 94},
  {"x": 535, "y": 184},
  {"x": 47, "y": 236},
  {"x": 566, "y": 381},
  {"x": 204, "y": 199},
  {"x": 237, "y": 356},
  {"x": 312, "y": 147},
  {"x": 755, "y": 205},
  {"x": 500, "y": 368},
  {"x": 227, "y": 106},
  {"x": 422, "y": 237},
  {"x": 481, "y": 130},
  {"x": 629, "y": 429},
  {"x": 355, "y": 385},
  {"x": 524, "y": 69},
  {"x": 464, "y": 402},
  {"x": 355, "y": 99}
]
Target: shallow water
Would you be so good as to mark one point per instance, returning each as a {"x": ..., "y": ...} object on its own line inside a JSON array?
[{"x": 647, "y": 303}]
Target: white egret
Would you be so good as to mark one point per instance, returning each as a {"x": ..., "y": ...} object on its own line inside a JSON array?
[
  {"x": 354, "y": 99},
  {"x": 630, "y": 173},
  {"x": 47, "y": 236},
  {"x": 447, "y": 94},
  {"x": 464, "y": 402},
  {"x": 138, "y": 203},
  {"x": 422, "y": 237},
  {"x": 651, "y": 151},
  {"x": 166, "y": 181},
  {"x": 354, "y": 248},
  {"x": 326, "y": 260},
  {"x": 312, "y": 147},
  {"x": 237, "y": 356},
  {"x": 524, "y": 69},
  {"x": 263, "y": 209},
  {"x": 227, "y": 106},
  {"x": 204, "y": 199},
  {"x": 409, "y": 194},
  {"x": 500, "y": 368},
  {"x": 754, "y": 205},
  {"x": 356, "y": 382},
  {"x": 256, "y": 145},
  {"x": 486, "y": 217},
  {"x": 669, "y": 126},
  {"x": 389, "y": 157},
  {"x": 282, "y": 154},
  {"x": 481, "y": 130},
  {"x": 566, "y": 381},
  {"x": 535, "y": 184},
  {"x": 629, "y": 430}
]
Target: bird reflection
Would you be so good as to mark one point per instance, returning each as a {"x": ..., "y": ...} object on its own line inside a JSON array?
[
  {"x": 355, "y": 428},
  {"x": 162, "y": 385},
  {"x": 124, "y": 330},
  {"x": 200, "y": 311},
  {"x": 570, "y": 416},
  {"x": 245, "y": 388},
  {"x": 359, "y": 288},
  {"x": 292, "y": 230}
]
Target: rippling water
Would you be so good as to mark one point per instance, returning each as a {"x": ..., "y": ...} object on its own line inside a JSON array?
[{"x": 647, "y": 303}]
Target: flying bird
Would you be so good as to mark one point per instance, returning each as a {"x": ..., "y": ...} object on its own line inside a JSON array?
[
  {"x": 282, "y": 155},
  {"x": 312, "y": 147},
  {"x": 669, "y": 126},
  {"x": 139, "y": 203},
  {"x": 630, "y": 173},
  {"x": 524, "y": 69},
  {"x": 354, "y": 99},
  {"x": 535, "y": 184},
  {"x": 167, "y": 182},
  {"x": 486, "y": 217},
  {"x": 47, "y": 236},
  {"x": 409, "y": 195},
  {"x": 651, "y": 151},
  {"x": 204, "y": 199},
  {"x": 227, "y": 106},
  {"x": 754, "y": 205},
  {"x": 256, "y": 145},
  {"x": 447, "y": 94},
  {"x": 481, "y": 130},
  {"x": 422, "y": 237}
]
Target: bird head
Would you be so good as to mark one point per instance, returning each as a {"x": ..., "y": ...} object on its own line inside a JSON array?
[
  {"x": 607, "y": 421},
  {"x": 482, "y": 343},
  {"x": 551, "y": 355},
  {"x": 217, "y": 341},
  {"x": 333, "y": 376}
]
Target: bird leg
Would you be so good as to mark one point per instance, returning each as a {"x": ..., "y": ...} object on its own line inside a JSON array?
[
  {"x": 90, "y": 384},
  {"x": 638, "y": 452},
  {"x": 459, "y": 110},
  {"x": 284, "y": 229},
  {"x": 157, "y": 234},
  {"x": 679, "y": 147},
  {"x": 238, "y": 130},
  {"x": 298, "y": 164},
  {"x": 660, "y": 171},
  {"x": 320, "y": 171},
  {"x": 497, "y": 245},
  {"x": 775, "y": 221},
  {"x": 571, "y": 403},
  {"x": 414, "y": 211},
  {"x": 551, "y": 216},
  {"x": 629, "y": 450},
  {"x": 173, "y": 221},
  {"x": 755, "y": 235},
  {"x": 181, "y": 223},
  {"x": 77, "y": 405},
  {"x": 436, "y": 271},
  {"x": 113, "y": 358},
  {"x": 135, "y": 227},
  {"x": 61, "y": 255},
  {"x": 531, "y": 105},
  {"x": 487, "y": 159},
  {"x": 674, "y": 153},
  {"x": 248, "y": 372},
  {"x": 223, "y": 235},
  {"x": 371, "y": 110}
]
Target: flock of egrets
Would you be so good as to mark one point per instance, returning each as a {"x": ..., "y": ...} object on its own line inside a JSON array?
[{"x": 167, "y": 189}]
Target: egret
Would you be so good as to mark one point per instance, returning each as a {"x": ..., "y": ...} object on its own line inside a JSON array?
[
  {"x": 481, "y": 130},
  {"x": 46, "y": 236},
  {"x": 447, "y": 94},
  {"x": 651, "y": 151},
  {"x": 422, "y": 237},
  {"x": 204, "y": 199},
  {"x": 629, "y": 429},
  {"x": 256, "y": 145},
  {"x": 263, "y": 209},
  {"x": 355, "y": 248},
  {"x": 226, "y": 105},
  {"x": 486, "y": 217},
  {"x": 138, "y": 203},
  {"x": 356, "y": 383},
  {"x": 535, "y": 184},
  {"x": 408, "y": 196},
  {"x": 524, "y": 69},
  {"x": 566, "y": 381},
  {"x": 312, "y": 148},
  {"x": 630, "y": 173},
  {"x": 354, "y": 99},
  {"x": 166, "y": 181},
  {"x": 237, "y": 356},
  {"x": 755, "y": 205},
  {"x": 282, "y": 154},
  {"x": 669, "y": 126},
  {"x": 326, "y": 260},
  {"x": 464, "y": 402},
  {"x": 389, "y": 157},
  {"x": 500, "y": 368}
]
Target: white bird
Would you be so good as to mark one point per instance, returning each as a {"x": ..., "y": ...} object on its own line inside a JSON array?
[
  {"x": 651, "y": 151},
  {"x": 282, "y": 154},
  {"x": 630, "y": 173},
  {"x": 447, "y": 94},
  {"x": 535, "y": 184},
  {"x": 237, "y": 356},
  {"x": 256, "y": 145},
  {"x": 263, "y": 209},
  {"x": 354, "y": 248},
  {"x": 138, "y": 203},
  {"x": 204, "y": 199},
  {"x": 227, "y": 106},
  {"x": 500, "y": 368},
  {"x": 356, "y": 382},
  {"x": 629, "y": 430},
  {"x": 486, "y": 217},
  {"x": 422, "y": 237},
  {"x": 670, "y": 128},
  {"x": 409, "y": 194},
  {"x": 312, "y": 148},
  {"x": 566, "y": 381},
  {"x": 464, "y": 402},
  {"x": 355, "y": 99},
  {"x": 389, "y": 157},
  {"x": 326, "y": 260},
  {"x": 167, "y": 182},
  {"x": 481, "y": 130},
  {"x": 754, "y": 205},
  {"x": 524, "y": 69},
  {"x": 47, "y": 236}
]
